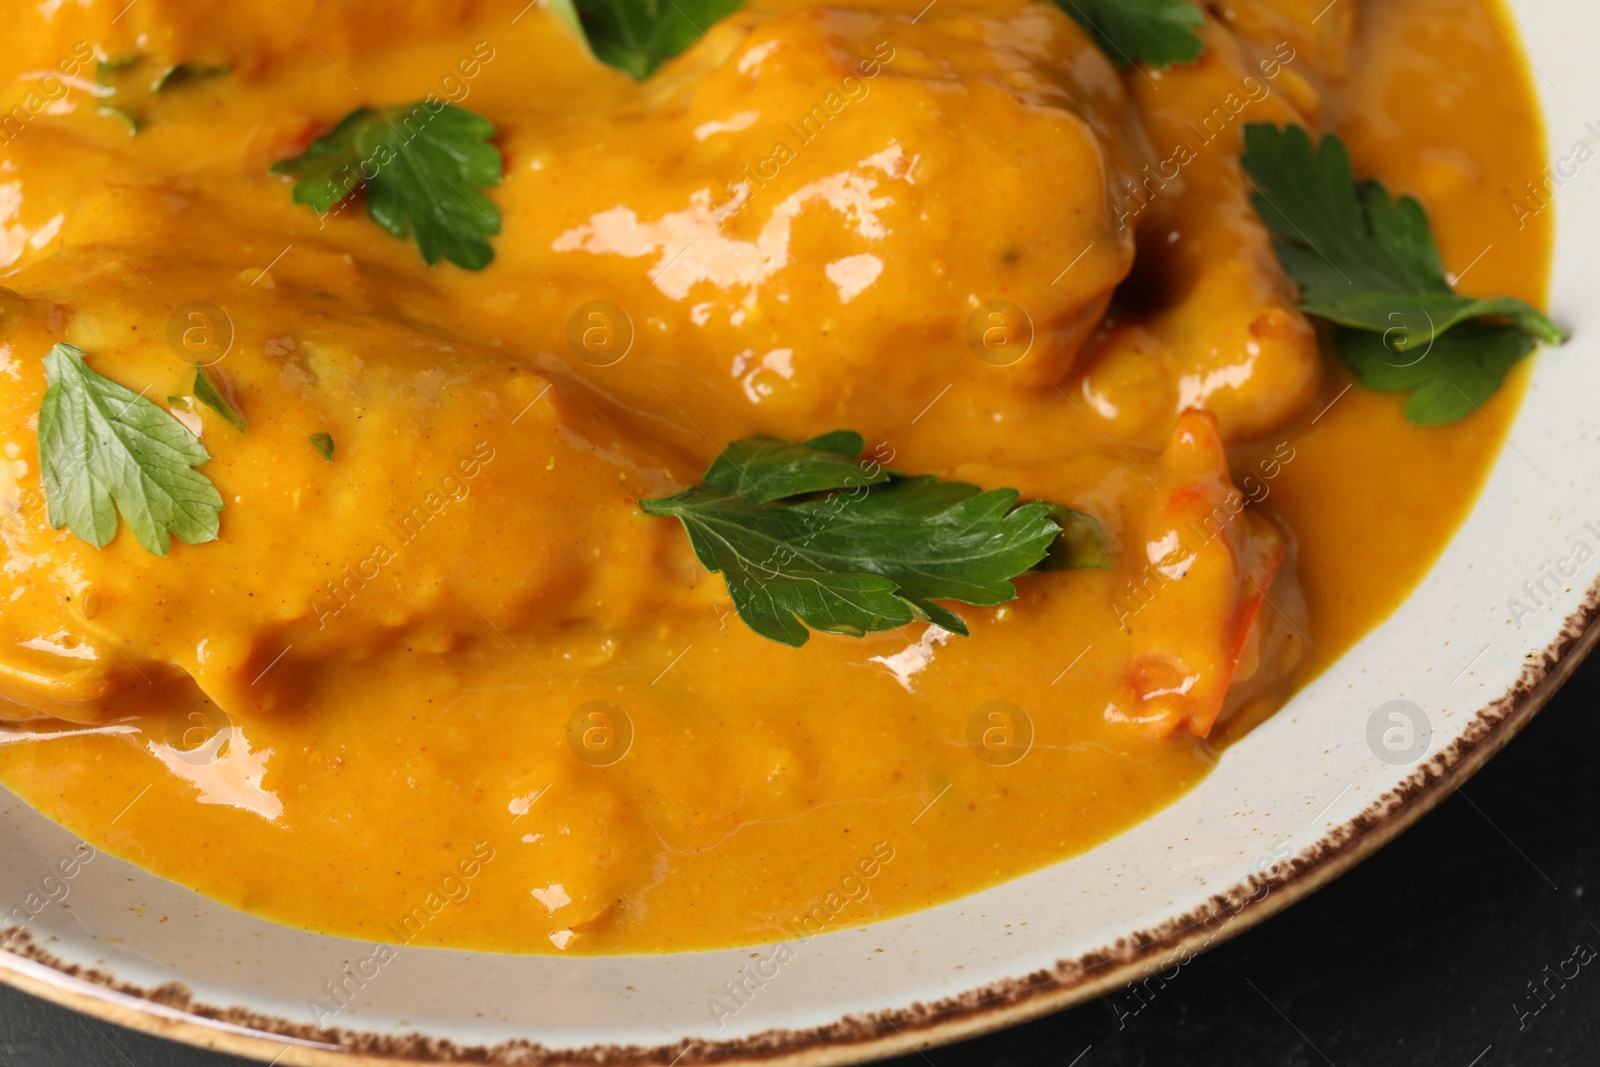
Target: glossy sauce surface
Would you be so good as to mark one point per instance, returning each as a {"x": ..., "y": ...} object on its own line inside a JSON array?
[{"x": 405, "y": 646}]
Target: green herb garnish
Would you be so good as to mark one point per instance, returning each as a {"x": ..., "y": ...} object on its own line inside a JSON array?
[
  {"x": 323, "y": 443},
  {"x": 848, "y": 547},
  {"x": 104, "y": 449},
  {"x": 764, "y": 469},
  {"x": 127, "y": 89},
  {"x": 1081, "y": 546},
  {"x": 420, "y": 167},
  {"x": 1371, "y": 265},
  {"x": 1159, "y": 33},
  {"x": 206, "y": 391},
  {"x": 637, "y": 36},
  {"x": 107, "y": 71},
  {"x": 1446, "y": 383},
  {"x": 182, "y": 72},
  {"x": 135, "y": 123}
]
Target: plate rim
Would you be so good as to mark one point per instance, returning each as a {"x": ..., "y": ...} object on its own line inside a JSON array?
[{"x": 168, "y": 1011}]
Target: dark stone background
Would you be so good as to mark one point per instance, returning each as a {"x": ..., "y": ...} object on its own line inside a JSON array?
[{"x": 1421, "y": 955}]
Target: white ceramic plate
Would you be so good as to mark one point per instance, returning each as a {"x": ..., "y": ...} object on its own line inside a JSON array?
[{"x": 1295, "y": 803}]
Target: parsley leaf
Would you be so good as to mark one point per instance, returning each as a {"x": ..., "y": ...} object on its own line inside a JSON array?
[
  {"x": 323, "y": 443},
  {"x": 127, "y": 86},
  {"x": 873, "y": 558},
  {"x": 182, "y": 72},
  {"x": 206, "y": 391},
  {"x": 763, "y": 469},
  {"x": 1081, "y": 546},
  {"x": 107, "y": 71},
  {"x": 1370, "y": 263},
  {"x": 135, "y": 123},
  {"x": 104, "y": 449},
  {"x": 1361, "y": 259},
  {"x": 637, "y": 36},
  {"x": 420, "y": 166},
  {"x": 1159, "y": 33},
  {"x": 1448, "y": 381}
]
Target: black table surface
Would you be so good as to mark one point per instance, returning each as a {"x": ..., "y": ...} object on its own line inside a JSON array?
[{"x": 1448, "y": 948}]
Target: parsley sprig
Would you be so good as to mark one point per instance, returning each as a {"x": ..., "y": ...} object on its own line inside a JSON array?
[
  {"x": 1158, "y": 33},
  {"x": 808, "y": 534},
  {"x": 129, "y": 85},
  {"x": 1446, "y": 383},
  {"x": 421, "y": 167},
  {"x": 104, "y": 450},
  {"x": 637, "y": 36},
  {"x": 206, "y": 391},
  {"x": 1370, "y": 264}
]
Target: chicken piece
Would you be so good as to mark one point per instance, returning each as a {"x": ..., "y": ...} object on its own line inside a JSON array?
[
  {"x": 56, "y": 39},
  {"x": 1194, "y": 586},
  {"x": 1322, "y": 34},
  {"x": 465, "y": 496},
  {"x": 831, "y": 211},
  {"x": 1216, "y": 323},
  {"x": 820, "y": 216}
]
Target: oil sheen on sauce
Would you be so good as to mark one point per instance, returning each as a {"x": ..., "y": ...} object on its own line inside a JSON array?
[{"x": 468, "y": 694}]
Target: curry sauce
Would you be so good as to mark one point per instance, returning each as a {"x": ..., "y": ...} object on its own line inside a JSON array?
[{"x": 449, "y": 686}]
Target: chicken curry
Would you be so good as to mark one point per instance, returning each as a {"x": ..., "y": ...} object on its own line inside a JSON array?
[{"x": 367, "y": 563}]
